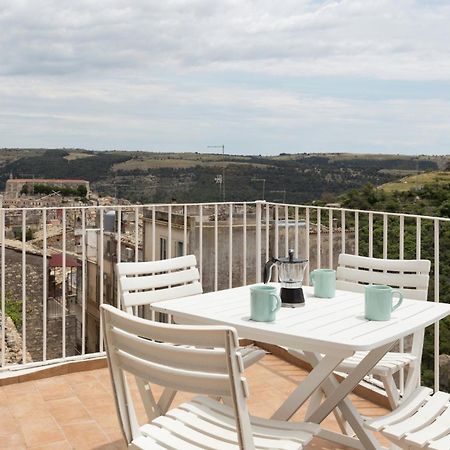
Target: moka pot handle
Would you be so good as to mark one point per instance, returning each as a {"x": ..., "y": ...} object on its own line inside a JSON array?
[{"x": 267, "y": 275}]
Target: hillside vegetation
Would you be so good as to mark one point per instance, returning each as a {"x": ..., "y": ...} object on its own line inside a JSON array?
[
  {"x": 417, "y": 181},
  {"x": 190, "y": 177},
  {"x": 431, "y": 198}
]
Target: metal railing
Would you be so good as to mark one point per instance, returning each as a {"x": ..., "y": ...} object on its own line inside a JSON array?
[{"x": 231, "y": 242}]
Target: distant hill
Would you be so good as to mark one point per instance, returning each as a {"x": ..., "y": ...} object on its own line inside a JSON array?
[
  {"x": 417, "y": 181},
  {"x": 190, "y": 177}
]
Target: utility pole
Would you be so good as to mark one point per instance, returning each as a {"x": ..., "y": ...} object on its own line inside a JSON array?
[
  {"x": 263, "y": 180},
  {"x": 222, "y": 183}
]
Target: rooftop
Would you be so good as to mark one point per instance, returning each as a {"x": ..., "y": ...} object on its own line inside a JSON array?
[
  {"x": 45, "y": 180},
  {"x": 76, "y": 410}
]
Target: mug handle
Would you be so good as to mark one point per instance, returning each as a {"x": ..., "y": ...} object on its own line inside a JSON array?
[
  {"x": 400, "y": 299},
  {"x": 277, "y": 305},
  {"x": 311, "y": 277}
]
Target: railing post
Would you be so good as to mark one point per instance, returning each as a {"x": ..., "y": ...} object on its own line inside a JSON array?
[
  {"x": 2, "y": 282},
  {"x": 436, "y": 299},
  {"x": 258, "y": 240}
]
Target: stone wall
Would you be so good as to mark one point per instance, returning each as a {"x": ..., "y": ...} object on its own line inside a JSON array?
[
  {"x": 13, "y": 343},
  {"x": 34, "y": 308}
]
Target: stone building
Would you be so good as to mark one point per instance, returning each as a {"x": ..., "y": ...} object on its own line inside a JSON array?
[
  {"x": 156, "y": 242},
  {"x": 15, "y": 186}
]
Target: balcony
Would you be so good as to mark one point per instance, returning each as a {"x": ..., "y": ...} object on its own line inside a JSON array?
[
  {"x": 50, "y": 313},
  {"x": 76, "y": 409}
]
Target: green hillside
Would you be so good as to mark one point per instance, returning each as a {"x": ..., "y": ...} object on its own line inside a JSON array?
[
  {"x": 417, "y": 181},
  {"x": 160, "y": 177}
]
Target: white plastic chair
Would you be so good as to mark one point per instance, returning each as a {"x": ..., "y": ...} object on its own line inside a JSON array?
[
  {"x": 422, "y": 421},
  {"x": 166, "y": 355},
  {"x": 144, "y": 283},
  {"x": 411, "y": 277}
]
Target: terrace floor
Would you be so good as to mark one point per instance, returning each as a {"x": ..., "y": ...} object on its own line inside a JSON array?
[{"x": 76, "y": 410}]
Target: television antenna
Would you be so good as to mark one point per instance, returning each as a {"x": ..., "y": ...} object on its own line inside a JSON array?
[
  {"x": 263, "y": 180},
  {"x": 220, "y": 179},
  {"x": 280, "y": 192}
]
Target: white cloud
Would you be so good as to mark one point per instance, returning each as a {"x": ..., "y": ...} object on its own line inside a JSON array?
[
  {"x": 402, "y": 39},
  {"x": 183, "y": 74}
]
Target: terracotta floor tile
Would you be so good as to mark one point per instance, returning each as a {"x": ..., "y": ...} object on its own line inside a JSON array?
[
  {"x": 12, "y": 441},
  {"x": 54, "y": 388},
  {"x": 85, "y": 435},
  {"x": 77, "y": 378},
  {"x": 77, "y": 410},
  {"x": 60, "y": 445},
  {"x": 31, "y": 405},
  {"x": 13, "y": 390},
  {"x": 105, "y": 416},
  {"x": 114, "y": 435},
  {"x": 93, "y": 393},
  {"x": 112, "y": 446},
  {"x": 40, "y": 431},
  {"x": 67, "y": 410},
  {"x": 2, "y": 395},
  {"x": 8, "y": 424}
]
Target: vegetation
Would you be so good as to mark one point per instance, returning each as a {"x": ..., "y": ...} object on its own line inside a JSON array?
[
  {"x": 18, "y": 234},
  {"x": 417, "y": 181},
  {"x": 433, "y": 200},
  {"x": 13, "y": 309},
  {"x": 47, "y": 189},
  {"x": 160, "y": 177}
]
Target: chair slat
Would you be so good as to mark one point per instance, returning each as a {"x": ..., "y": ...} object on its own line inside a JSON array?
[
  {"x": 418, "y": 281},
  {"x": 189, "y": 381},
  {"x": 148, "y": 282},
  {"x": 261, "y": 427},
  {"x": 166, "y": 438},
  {"x": 405, "y": 410},
  {"x": 413, "y": 294},
  {"x": 210, "y": 405},
  {"x": 213, "y": 336},
  {"x": 193, "y": 436},
  {"x": 404, "y": 265},
  {"x": 424, "y": 416},
  {"x": 440, "y": 444},
  {"x": 153, "y": 267},
  {"x": 147, "y": 442},
  {"x": 439, "y": 428},
  {"x": 387, "y": 365},
  {"x": 181, "y": 357},
  {"x": 148, "y": 297}
]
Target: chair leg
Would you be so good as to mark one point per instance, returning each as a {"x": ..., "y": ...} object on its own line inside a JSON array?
[
  {"x": 391, "y": 390},
  {"x": 413, "y": 379}
]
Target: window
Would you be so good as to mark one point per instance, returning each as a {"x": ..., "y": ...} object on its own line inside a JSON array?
[
  {"x": 162, "y": 248},
  {"x": 180, "y": 248}
]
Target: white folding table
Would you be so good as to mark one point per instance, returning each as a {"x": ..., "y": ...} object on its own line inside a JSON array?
[{"x": 327, "y": 331}]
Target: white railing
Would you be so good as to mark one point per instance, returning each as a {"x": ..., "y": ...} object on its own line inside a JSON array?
[{"x": 231, "y": 242}]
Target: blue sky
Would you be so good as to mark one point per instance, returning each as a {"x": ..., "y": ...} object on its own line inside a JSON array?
[{"x": 260, "y": 77}]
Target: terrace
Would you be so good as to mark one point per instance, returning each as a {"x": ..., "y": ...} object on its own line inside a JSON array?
[{"x": 54, "y": 388}]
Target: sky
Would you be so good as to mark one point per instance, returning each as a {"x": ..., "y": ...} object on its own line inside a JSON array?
[{"x": 257, "y": 76}]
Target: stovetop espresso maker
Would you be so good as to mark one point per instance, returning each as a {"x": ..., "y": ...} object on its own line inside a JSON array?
[{"x": 290, "y": 275}]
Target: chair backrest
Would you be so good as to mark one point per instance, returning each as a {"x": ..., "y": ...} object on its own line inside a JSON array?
[
  {"x": 411, "y": 276},
  {"x": 143, "y": 283},
  {"x": 156, "y": 353}
]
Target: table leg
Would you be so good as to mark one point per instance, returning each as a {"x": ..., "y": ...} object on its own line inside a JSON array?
[
  {"x": 322, "y": 369},
  {"x": 337, "y": 396}
]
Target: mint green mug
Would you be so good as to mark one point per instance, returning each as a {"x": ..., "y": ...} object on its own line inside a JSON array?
[
  {"x": 264, "y": 303},
  {"x": 378, "y": 301},
  {"x": 324, "y": 282}
]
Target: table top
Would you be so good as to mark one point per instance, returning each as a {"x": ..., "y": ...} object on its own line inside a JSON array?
[{"x": 321, "y": 325}]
